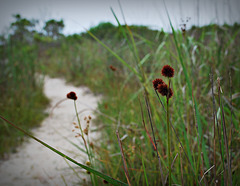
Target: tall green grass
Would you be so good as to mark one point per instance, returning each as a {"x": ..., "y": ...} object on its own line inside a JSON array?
[
  {"x": 22, "y": 98},
  {"x": 136, "y": 56}
]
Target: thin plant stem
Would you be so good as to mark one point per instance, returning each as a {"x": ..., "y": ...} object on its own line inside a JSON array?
[
  {"x": 160, "y": 101},
  {"x": 177, "y": 136},
  {"x": 205, "y": 181},
  {"x": 84, "y": 141},
  {"x": 80, "y": 127},
  {"x": 181, "y": 166},
  {"x": 123, "y": 159},
  {"x": 64, "y": 181},
  {"x": 207, "y": 172},
  {"x": 79, "y": 124},
  {"x": 198, "y": 136},
  {"x": 171, "y": 167},
  {"x": 216, "y": 119},
  {"x": 71, "y": 167},
  {"x": 214, "y": 148},
  {"x": 144, "y": 169},
  {"x": 146, "y": 127},
  {"x": 222, "y": 139},
  {"x": 232, "y": 126},
  {"x": 150, "y": 118},
  {"x": 168, "y": 136},
  {"x": 225, "y": 135},
  {"x": 214, "y": 132}
]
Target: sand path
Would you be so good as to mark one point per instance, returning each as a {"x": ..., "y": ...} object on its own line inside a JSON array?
[{"x": 33, "y": 164}]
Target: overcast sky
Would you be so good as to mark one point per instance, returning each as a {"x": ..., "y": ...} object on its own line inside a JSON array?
[{"x": 80, "y": 14}]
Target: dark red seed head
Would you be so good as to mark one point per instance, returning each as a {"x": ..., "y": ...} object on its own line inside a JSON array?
[
  {"x": 72, "y": 95},
  {"x": 157, "y": 82},
  {"x": 105, "y": 181},
  {"x": 112, "y": 68},
  {"x": 168, "y": 71},
  {"x": 163, "y": 89}
]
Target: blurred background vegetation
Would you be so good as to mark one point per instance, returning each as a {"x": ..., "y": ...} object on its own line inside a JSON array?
[{"x": 80, "y": 59}]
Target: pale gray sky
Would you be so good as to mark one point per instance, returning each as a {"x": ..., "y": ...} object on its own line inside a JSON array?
[{"x": 80, "y": 14}]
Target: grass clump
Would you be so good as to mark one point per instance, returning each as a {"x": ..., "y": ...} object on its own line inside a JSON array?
[
  {"x": 22, "y": 97},
  {"x": 201, "y": 49}
]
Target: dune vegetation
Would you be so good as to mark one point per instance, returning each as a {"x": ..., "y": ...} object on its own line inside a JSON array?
[{"x": 196, "y": 131}]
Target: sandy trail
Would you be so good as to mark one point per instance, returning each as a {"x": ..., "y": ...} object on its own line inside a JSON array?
[{"x": 33, "y": 164}]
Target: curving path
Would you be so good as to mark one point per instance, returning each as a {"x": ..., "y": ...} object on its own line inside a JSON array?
[{"x": 33, "y": 164}]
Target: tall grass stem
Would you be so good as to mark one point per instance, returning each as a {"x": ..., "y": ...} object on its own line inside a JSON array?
[
  {"x": 181, "y": 165},
  {"x": 168, "y": 136},
  {"x": 216, "y": 119},
  {"x": 185, "y": 153},
  {"x": 225, "y": 135},
  {"x": 150, "y": 119},
  {"x": 123, "y": 158}
]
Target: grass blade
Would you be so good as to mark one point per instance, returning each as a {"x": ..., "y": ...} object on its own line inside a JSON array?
[
  {"x": 225, "y": 135},
  {"x": 216, "y": 119},
  {"x": 185, "y": 136},
  {"x": 145, "y": 174},
  {"x": 181, "y": 165},
  {"x": 171, "y": 167},
  {"x": 101, "y": 175},
  {"x": 150, "y": 119},
  {"x": 123, "y": 158},
  {"x": 185, "y": 72}
]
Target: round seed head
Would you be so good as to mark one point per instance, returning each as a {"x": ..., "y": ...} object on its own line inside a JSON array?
[
  {"x": 168, "y": 71},
  {"x": 163, "y": 89},
  {"x": 72, "y": 95},
  {"x": 157, "y": 82}
]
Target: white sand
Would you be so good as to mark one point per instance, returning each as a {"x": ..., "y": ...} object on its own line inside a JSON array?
[{"x": 33, "y": 164}]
